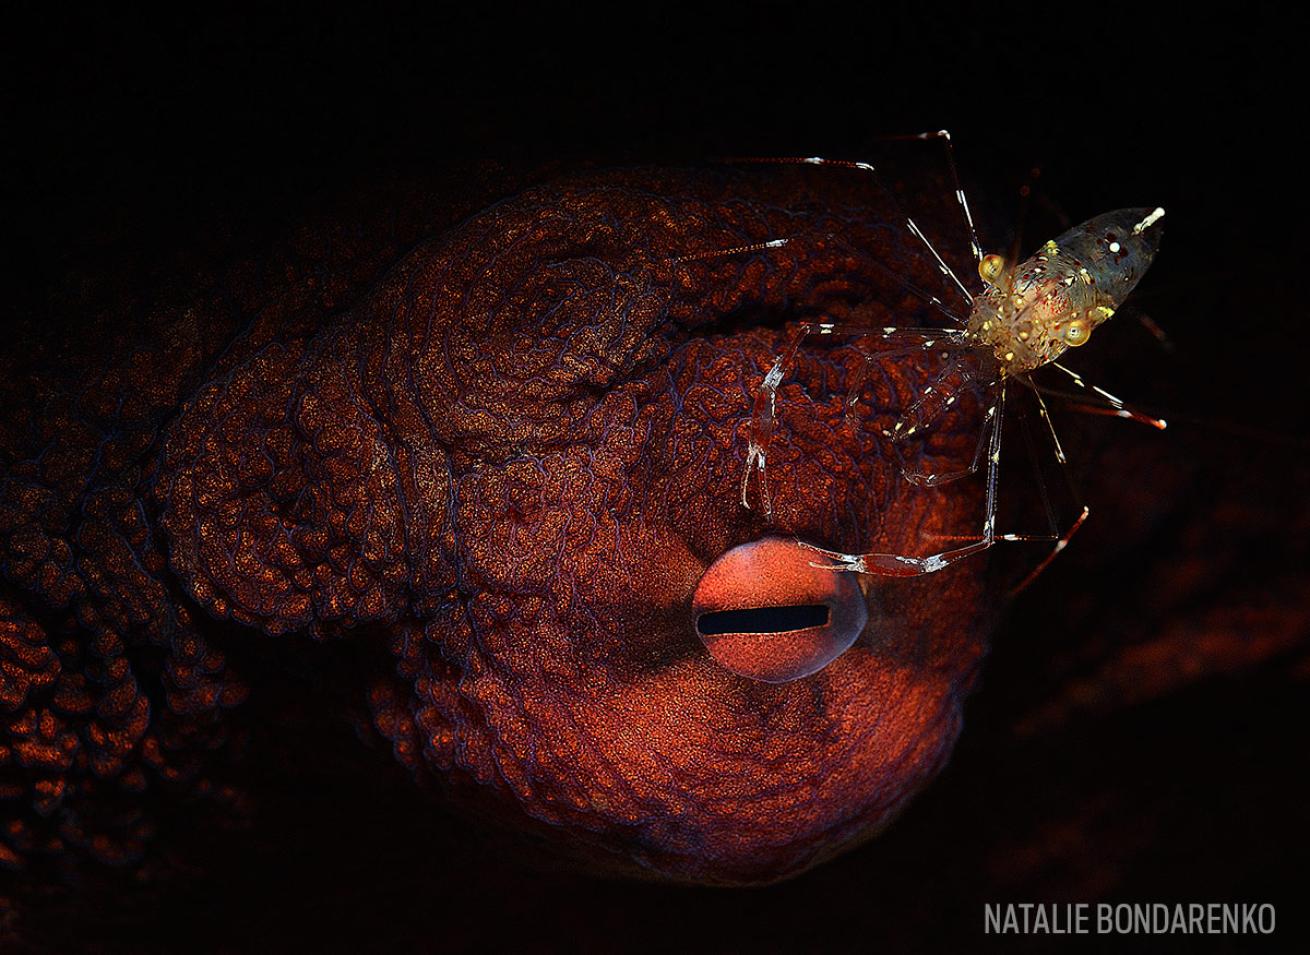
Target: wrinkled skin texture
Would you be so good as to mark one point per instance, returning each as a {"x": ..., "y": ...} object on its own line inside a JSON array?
[
  {"x": 1101, "y": 743},
  {"x": 494, "y": 468}
]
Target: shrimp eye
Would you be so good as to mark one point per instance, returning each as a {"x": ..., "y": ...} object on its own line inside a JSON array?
[
  {"x": 990, "y": 268},
  {"x": 1076, "y": 333}
]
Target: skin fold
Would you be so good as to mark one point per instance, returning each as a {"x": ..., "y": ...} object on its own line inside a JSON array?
[
  {"x": 261, "y": 690},
  {"x": 283, "y": 580},
  {"x": 491, "y": 467}
]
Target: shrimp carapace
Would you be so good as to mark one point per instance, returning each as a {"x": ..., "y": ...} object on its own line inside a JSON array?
[{"x": 1030, "y": 314}]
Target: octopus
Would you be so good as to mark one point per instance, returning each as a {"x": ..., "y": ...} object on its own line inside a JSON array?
[{"x": 429, "y": 492}]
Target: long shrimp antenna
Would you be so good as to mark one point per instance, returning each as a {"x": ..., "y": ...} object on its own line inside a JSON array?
[
  {"x": 729, "y": 251},
  {"x": 944, "y": 137},
  {"x": 926, "y": 297},
  {"x": 872, "y": 171}
]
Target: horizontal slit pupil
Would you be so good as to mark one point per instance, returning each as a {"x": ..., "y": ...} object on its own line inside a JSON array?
[{"x": 764, "y": 619}]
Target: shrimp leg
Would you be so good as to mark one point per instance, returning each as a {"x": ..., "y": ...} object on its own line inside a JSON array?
[
  {"x": 1102, "y": 402},
  {"x": 764, "y": 405},
  {"x": 897, "y": 565}
]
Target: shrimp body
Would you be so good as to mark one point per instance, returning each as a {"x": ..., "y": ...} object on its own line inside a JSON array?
[{"x": 1030, "y": 314}]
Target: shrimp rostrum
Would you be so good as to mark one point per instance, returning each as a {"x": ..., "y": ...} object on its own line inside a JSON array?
[{"x": 1023, "y": 318}]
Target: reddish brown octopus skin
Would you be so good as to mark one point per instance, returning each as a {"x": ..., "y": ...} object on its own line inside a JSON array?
[{"x": 503, "y": 468}]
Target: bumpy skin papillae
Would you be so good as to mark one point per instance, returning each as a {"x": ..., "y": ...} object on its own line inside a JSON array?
[{"x": 503, "y": 470}]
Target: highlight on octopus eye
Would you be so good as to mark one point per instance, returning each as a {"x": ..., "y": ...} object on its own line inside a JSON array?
[{"x": 765, "y": 613}]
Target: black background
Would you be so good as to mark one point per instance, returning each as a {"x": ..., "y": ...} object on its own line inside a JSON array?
[{"x": 140, "y": 131}]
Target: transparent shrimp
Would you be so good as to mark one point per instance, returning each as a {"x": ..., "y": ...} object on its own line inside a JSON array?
[{"x": 1024, "y": 317}]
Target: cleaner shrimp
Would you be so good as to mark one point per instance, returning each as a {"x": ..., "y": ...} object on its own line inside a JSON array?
[{"x": 1024, "y": 318}]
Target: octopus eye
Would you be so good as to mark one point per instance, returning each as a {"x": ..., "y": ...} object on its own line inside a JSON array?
[
  {"x": 991, "y": 267},
  {"x": 1076, "y": 333},
  {"x": 764, "y": 612}
]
